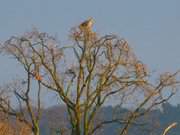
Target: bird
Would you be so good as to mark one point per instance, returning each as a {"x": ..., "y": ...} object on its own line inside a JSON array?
[
  {"x": 38, "y": 77},
  {"x": 86, "y": 25},
  {"x": 36, "y": 72},
  {"x": 23, "y": 82}
]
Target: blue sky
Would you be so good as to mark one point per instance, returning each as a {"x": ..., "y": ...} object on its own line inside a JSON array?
[{"x": 152, "y": 27}]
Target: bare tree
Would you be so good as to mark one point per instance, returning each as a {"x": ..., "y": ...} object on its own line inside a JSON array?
[
  {"x": 26, "y": 113},
  {"x": 103, "y": 67}
]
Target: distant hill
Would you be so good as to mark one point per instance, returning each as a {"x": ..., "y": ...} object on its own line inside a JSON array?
[{"x": 56, "y": 117}]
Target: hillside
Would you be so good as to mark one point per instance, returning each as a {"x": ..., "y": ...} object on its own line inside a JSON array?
[{"x": 55, "y": 118}]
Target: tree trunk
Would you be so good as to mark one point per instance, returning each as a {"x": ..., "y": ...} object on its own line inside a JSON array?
[{"x": 36, "y": 130}]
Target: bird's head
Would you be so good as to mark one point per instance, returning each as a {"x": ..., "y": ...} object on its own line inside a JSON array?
[{"x": 91, "y": 20}]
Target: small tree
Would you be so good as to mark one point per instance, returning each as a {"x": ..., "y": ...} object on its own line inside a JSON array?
[
  {"x": 102, "y": 67},
  {"x": 26, "y": 114}
]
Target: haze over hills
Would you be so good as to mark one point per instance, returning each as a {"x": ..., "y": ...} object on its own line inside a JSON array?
[
  {"x": 55, "y": 119},
  {"x": 154, "y": 123}
]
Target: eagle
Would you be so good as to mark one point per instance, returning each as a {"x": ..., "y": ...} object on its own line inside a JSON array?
[{"x": 87, "y": 25}]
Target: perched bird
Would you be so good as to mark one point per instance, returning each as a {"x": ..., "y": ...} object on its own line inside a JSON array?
[
  {"x": 86, "y": 25},
  {"x": 38, "y": 77},
  {"x": 36, "y": 72},
  {"x": 23, "y": 82},
  {"x": 71, "y": 72}
]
